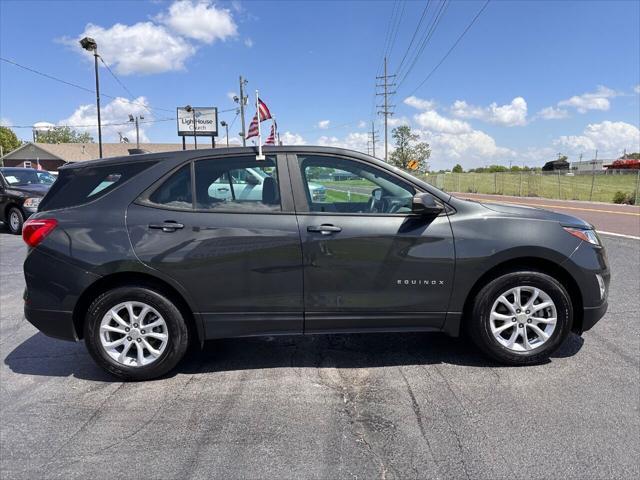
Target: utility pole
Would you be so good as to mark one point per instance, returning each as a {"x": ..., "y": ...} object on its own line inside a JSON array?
[
  {"x": 242, "y": 101},
  {"x": 373, "y": 137},
  {"x": 136, "y": 119},
  {"x": 385, "y": 106}
]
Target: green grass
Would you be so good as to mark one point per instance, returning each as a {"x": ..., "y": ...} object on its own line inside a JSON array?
[
  {"x": 334, "y": 196},
  {"x": 563, "y": 187}
]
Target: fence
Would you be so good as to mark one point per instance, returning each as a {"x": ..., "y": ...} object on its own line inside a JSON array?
[{"x": 599, "y": 186}]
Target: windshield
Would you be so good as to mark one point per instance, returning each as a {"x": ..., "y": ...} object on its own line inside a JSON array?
[{"x": 20, "y": 177}]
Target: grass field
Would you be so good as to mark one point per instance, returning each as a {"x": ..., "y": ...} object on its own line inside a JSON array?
[
  {"x": 334, "y": 196},
  {"x": 600, "y": 188}
]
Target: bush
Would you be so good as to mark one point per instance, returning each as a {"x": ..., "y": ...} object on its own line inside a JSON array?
[{"x": 624, "y": 198}]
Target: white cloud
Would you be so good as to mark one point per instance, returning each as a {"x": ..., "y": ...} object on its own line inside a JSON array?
[
  {"x": 85, "y": 119},
  {"x": 200, "y": 20},
  {"x": 637, "y": 88},
  {"x": 598, "y": 100},
  {"x": 323, "y": 124},
  {"x": 248, "y": 42},
  {"x": 552, "y": 113},
  {"x": 362, "y": 124},
  {"x": 353, "y": 141},
  {"x": 161, "y": 44},
  {"x": 397, "y": 121},
  {"x": 230, "y": 95},
  {"x": 419, "y": 103},
  {"x": 5, "y": 122},
  {"x": 140, "y": 48},
  {"x": 289, "y": 138},
  {"x": 474, "y": 147},
  {"x": 453, "y": 140},
  {"x": 609, "y": 138},
  {"x": 433, "y": 121},
  {"x": 510, "y": 115}
]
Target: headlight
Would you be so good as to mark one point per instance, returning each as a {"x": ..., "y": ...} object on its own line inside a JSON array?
[
  {"x": 583, "y": 234},
  {"x": 32, "y": 202}
]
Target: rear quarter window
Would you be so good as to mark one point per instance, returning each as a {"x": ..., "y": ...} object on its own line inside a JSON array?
[{"x": 79, "y": 186}]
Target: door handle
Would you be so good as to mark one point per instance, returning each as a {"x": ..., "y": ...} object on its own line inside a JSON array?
[
  {"x": 168, "y": 226},
  {"x": 324, "y": 229}
]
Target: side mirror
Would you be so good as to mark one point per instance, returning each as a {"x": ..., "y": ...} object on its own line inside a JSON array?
[{"x": 425, "y": 204}]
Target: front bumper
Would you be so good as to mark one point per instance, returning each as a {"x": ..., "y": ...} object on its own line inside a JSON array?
[{"x": 591, "y": 315}]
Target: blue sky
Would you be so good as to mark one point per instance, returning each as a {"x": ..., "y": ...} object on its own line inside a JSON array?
[{"x": 529, "y": 79}]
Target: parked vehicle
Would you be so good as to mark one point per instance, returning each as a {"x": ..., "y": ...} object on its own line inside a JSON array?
[
  {"x": 21, "y": 190},
  {"x": 148, "y": 256}
]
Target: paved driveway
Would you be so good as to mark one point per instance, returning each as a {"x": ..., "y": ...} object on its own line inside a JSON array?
[{"x": 376, "y": 406}]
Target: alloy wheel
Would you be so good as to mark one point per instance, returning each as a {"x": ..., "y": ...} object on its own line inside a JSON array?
[
  {"x": 523, "y": 318},
  {"x": 14, "y": 221},
  {"x": 133, "y": 334}
]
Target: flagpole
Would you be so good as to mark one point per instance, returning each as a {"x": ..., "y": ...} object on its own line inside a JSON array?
[{"x": 260, "y": 156}]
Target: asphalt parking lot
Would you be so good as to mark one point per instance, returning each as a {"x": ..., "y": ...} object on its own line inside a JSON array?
[{"x": 387, "y": 406}]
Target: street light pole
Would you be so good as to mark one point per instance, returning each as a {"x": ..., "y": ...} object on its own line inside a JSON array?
[
  {"x": 242, "y": 101},
  {"x": 90, "y": 45},
  {"x": 226, "y": 127},
  {"x": 189, "y": 108}
]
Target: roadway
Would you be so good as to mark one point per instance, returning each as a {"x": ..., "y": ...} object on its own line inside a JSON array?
[{"x": 326, "y": 407}]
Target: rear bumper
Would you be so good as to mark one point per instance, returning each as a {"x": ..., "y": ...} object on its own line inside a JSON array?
[
  {"x": 591, "y": 315},
  {"x": 52, "y": 323}
]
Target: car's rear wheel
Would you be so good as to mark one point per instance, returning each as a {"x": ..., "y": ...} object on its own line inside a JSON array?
[
  {"x": 520, "y": 318},
  {"x": 135, "y": 333},
  {"x": 15, "y": 220}
]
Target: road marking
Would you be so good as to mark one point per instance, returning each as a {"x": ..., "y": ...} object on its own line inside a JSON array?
[
  {"x": 546, "y": 205},
  {"x": 632, "y": 237}
]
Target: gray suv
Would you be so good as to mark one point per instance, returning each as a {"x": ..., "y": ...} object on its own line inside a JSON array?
[{"x": 144, "y": 255}]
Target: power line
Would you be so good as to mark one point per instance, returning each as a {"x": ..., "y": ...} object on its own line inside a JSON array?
[
  {"x": 71, "y": 84},
  {"x": 95, "y": 124},
  {"x": 396, "y": 29},
  {"x": 452, "y": 47},
  {"x": 430, "y": 31},
  {"x": 124, "y": 87},
  {"x": 413, "y": 37}
]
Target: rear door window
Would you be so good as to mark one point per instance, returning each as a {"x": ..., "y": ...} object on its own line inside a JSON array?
[
  {"x": 79, "y": 186},
  {"x": 237, "y": 185},
  {"x": 175, "y": 192}
]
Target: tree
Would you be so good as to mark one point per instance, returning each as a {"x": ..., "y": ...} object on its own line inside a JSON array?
[
  {"x": 8, "y": 140},
  {"x": 408, "y": 148},
  {"x": 63, "y": 135},
  {"x": 631, "y": 156},
  {"x": 457, "y": 168}
]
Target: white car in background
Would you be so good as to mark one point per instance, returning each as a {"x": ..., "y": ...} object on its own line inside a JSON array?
[{"x": 247, "y": 185}]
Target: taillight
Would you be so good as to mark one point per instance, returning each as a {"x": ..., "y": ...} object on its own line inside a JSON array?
[{"x": 35, "y": 230}]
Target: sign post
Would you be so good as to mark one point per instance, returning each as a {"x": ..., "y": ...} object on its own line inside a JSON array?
[{"x": 198, "y": 122}]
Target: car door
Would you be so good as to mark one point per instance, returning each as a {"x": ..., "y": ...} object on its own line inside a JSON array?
[
  {"x": 239, "y": 259},
  {"x": 369, "y": 262}
]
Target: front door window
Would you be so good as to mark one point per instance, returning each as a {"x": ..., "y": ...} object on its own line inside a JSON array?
[{"x": 345, "y": 186}]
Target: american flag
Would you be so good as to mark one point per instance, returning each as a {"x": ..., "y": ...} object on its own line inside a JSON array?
[
  {"x": 265, "y": 114},
  {"x": 272, "y": 136}
]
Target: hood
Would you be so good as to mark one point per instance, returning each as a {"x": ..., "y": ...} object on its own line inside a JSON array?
[
  {"x": 35, "y": 190},
  {"x": 537, "y": 213}
]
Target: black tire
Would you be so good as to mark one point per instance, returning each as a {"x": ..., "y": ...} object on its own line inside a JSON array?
[
  {"x": 480, "y": 328},
  {"x": 17, "y": 229},
  {"x": 178, "y": 334}
]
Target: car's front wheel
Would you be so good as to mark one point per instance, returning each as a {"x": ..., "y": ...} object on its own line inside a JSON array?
[
  {"x": 521, "y": 318},
  {"x": 15, "y": 220},
  {"x": 135, "y": 333}
]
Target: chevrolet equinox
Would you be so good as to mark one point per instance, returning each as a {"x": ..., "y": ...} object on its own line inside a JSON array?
[{"x": 143, "y": 255}]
